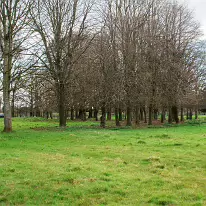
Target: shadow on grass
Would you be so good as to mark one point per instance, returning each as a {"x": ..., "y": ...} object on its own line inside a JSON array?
[{"x": 81, "y": 126}]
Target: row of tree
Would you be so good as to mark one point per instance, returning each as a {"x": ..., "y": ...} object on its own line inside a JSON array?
[{"x": 138, "y": 57}]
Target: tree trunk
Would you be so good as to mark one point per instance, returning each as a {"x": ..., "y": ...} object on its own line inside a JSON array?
[
  {"x": 7, "y": 56},
  {"x": 76, "y": 114},
  {"x": 72, "y": 113},
  {"x": 96, "y": 114},
  {"x": 7, "y": 107},
  {"x": 170, "y": 116},
  {"x": 47, "y": 115},
  {"x": 182, "y": 115},
  {"x": 90, "y": 113},
  {"x": 129, "y": 116},
  {"x": 196, "y": 114},
  {"x": 117, "y": 117},
  {"x": 187, "y": 114},
  {"x": 103, "y": 117},
  {"x": 137, "y": 115},
  {"x": 67, "y": 114},
  {"x": 141, "y": 114},
  {"x": 84, "y": 115},
  {"x": 12, "y": 103},
  {"x": 150, "y": 115},
  {"x": 80, "y": 114},
  {"x": 163, "y": 116},
  {"x": 51, "y": 116},
  {"x": 155, "y": 114},
  {"x": 38, "y": 113},
  {"x": 175, "y": 114},
  {"x": 61, "y": 104},
  {"x": 109, "y": 115},
  {"x": 190, "y": 114},
  {"x": 145, "y": 115},
  {"x": 120, "y": 114}
]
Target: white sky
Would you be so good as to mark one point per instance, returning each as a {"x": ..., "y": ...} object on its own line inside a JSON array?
[{"x": 199, "y": 8}]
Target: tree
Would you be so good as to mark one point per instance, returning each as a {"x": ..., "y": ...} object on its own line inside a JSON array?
[
  {"x": 13, "y": 21},
  {"x": 63, "y": 28}
]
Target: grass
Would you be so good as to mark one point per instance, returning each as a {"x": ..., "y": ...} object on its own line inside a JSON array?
[{"x": 41, "y": 164}]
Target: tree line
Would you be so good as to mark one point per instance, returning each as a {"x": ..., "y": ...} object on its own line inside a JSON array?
[{"x": 133, "y": 57}]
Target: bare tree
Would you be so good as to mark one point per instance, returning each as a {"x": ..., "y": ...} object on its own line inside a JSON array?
[
  {"x": 13, "y": 22},
  {"x": 63, "y": 28}
]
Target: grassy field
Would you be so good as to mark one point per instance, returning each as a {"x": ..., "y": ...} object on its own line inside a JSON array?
[{"x": 41, "y": 164}]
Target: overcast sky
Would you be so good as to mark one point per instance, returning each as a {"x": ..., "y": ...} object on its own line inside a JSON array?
[{"x": 199, "y": 8}]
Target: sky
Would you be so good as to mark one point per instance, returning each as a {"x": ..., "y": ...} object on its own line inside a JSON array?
[{"x": 199, "y": 9}]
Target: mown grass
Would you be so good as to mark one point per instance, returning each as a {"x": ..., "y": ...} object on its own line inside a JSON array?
[{"x": 41, "y": 164}]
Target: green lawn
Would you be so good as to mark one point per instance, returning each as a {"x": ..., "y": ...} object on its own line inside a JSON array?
[{"x": 41, "y": 164}]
